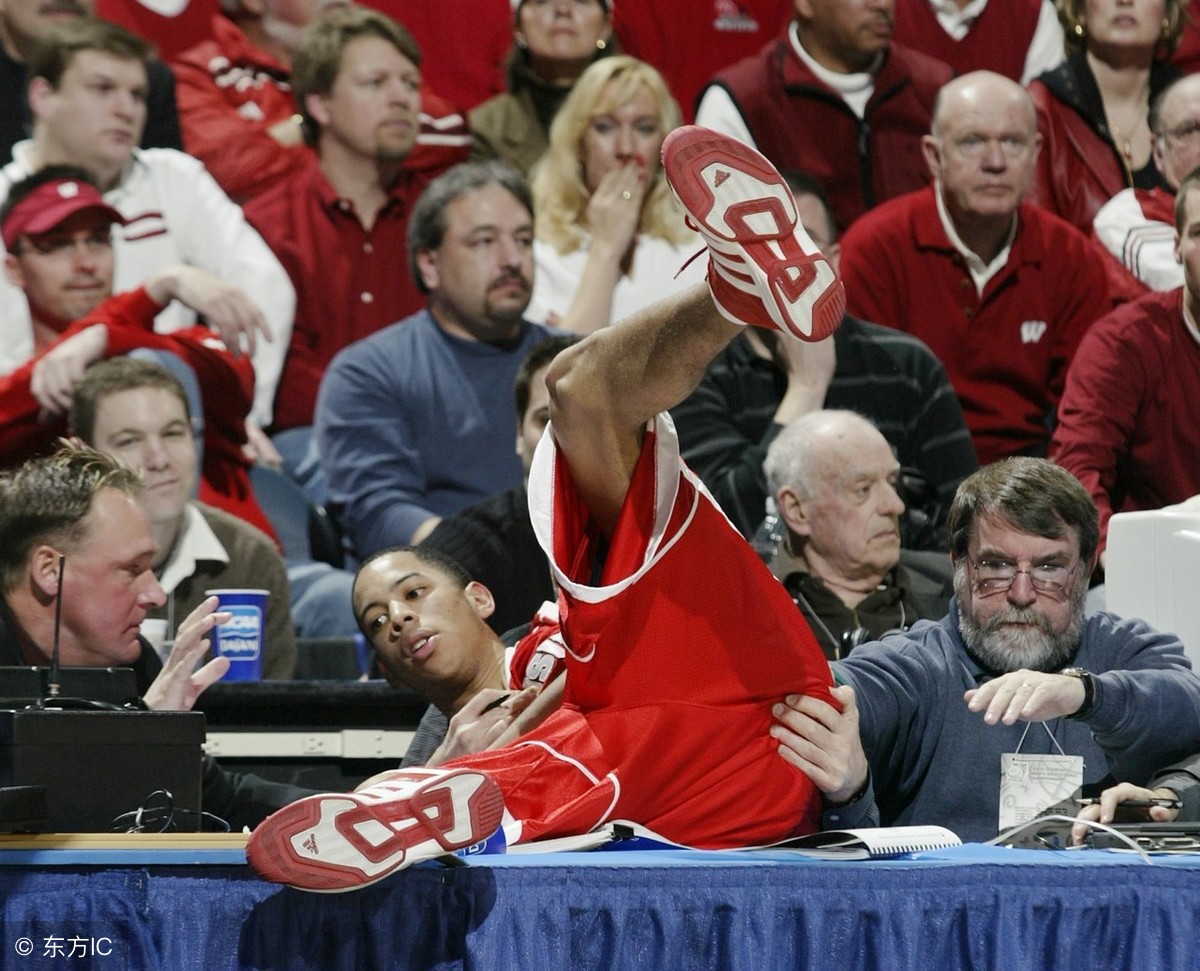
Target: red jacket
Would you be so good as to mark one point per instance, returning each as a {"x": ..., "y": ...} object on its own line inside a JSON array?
[
  {"x": 226, "y": 386},
  {"x": 798, "y": 122},
  {"x": 229, "y": 94},
  {"x": 1079, "y": 168}
]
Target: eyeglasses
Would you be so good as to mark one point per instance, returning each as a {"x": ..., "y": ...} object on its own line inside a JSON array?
[
  {"x": 995, "y": 575},
  {"x": 93, "y": 243},
  {"x": 973, "y": 146},
  {"x": 1187, "y": 134}
]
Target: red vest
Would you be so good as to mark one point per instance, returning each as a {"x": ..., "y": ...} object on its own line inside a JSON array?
[
  {"x": 998, "y": 40},
  {"x": 798, "y": 122}
]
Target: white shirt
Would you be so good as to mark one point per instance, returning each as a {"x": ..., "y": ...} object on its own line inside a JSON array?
[
  {"x": 980, "y": 272},
  {"x": 652, "y": 276},
  {"x": 178, "y": 214}
]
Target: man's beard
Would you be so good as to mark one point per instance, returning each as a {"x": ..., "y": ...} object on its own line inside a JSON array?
[{"x": 1036, "y": 647}]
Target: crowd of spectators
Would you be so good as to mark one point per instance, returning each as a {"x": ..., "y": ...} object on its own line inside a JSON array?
[{"x": 350, "y": 238}]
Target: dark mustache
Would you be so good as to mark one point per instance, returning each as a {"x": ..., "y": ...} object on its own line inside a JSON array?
[{"x": 512, "y": 277}]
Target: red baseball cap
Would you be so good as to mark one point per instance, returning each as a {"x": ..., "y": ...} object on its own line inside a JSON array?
[{"x": 50, "y": 204}]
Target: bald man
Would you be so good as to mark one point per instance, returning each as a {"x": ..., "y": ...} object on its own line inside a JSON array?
[{"x": 1000, "y": 290}]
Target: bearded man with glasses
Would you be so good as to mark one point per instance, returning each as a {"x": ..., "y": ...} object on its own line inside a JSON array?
[{"x": 940, "y": 727}]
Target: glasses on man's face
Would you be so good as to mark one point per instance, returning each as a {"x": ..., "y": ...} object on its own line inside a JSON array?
[
  {"x": 93, "y": 242},
  {"x": 1184, "y": 135},
  {"x": 993, "y": 575},
  {"x": 973, "y": 146}
]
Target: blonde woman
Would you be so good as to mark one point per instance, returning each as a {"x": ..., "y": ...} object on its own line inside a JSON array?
[{"x": 610, "y": 237}]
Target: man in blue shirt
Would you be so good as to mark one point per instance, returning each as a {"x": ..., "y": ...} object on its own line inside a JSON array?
[{"x": 416, "y": 421}]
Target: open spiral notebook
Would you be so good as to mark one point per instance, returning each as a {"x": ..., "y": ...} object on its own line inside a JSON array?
[
  {"x": 872, "y": 844},
  {"x": 838, "y": 844}
]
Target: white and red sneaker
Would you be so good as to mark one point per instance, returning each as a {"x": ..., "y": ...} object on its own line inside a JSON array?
[
  {"x": 342, "y": 841},
  {"x": 763, "y": 268}
]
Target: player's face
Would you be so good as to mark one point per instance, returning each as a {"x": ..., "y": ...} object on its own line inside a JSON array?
[
  {"x": 855, "y": 516},
  {"x": 95, "y": 117},
  {"x": 984, "y": 150},
  {"x": 108, "y": 585},
  {"x": 628, "y": 134},
  {"x": 1020, "y": 627},
  {"x": 846, "y": 35},
  {"x": 561, "y": 35},
  {"x": 66, "y": 272},
  {"x": 481, "y": 277},
  {"x": 371, "y": 110},
  {"x": 147, "y": 428},
  {"x": 428, "y": 631}
]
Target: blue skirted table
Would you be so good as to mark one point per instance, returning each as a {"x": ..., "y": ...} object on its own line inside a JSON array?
[{"x": 967, "y": 907}]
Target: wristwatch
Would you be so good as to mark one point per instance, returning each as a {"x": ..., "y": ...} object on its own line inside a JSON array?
[{"x": 1089, "y": 690}]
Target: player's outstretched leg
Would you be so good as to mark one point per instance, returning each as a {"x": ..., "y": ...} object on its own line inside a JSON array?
[
  {"x": 342, "y": 841},
  {"x": 763, "y": 268}
]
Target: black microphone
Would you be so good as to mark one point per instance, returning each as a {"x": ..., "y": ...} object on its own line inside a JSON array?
[{"x": 53, "y": 697}]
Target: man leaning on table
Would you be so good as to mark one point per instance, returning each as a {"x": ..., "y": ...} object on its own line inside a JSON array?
[
  {"x": 75, "y": 552},
  {"x": 950, "y": 720}
]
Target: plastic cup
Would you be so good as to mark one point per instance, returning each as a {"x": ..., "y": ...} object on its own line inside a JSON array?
[{"x": 241, "y": 639}]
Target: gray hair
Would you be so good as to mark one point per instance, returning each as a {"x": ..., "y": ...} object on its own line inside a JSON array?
[
  {"x": 427, "y": 225},
  {"x": 792, "y": 460}
]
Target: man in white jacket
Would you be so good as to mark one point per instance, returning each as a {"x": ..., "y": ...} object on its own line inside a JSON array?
[{"x": 87, "y": 94}]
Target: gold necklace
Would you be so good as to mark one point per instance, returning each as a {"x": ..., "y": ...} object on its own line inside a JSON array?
[{"x": 1125, "y": 144}]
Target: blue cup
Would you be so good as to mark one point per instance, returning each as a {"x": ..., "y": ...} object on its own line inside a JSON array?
[{"x": 241, "y": 639}]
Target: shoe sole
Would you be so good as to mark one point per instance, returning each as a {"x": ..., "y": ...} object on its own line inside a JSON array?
[
  {"x": 334, "y": 842},
  {"x": 704, "y": 169}
]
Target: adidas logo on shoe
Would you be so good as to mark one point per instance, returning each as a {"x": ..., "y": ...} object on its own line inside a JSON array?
[
  {"x": 341, "y": 841},
  {"x": 764, "y": 270}
]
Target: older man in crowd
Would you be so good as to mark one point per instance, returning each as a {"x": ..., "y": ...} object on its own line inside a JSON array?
[
  {"x": 1000, "y": 290},
  {"x": 835, "y": 483}
]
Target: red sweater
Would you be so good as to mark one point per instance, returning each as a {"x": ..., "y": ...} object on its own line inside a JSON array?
[
  {"x": 798, "y": 122},
  {"x": 1006, "y": 353},
  {"x": 998, "y": 40},
  {"x": 1127, "y": 424},
  {"x": 226, "y": 385}
]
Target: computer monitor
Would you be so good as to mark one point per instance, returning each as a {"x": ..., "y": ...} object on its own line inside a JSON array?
[{"x": 1153, "y": 571}]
